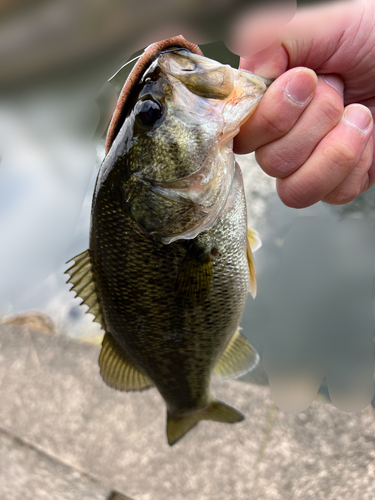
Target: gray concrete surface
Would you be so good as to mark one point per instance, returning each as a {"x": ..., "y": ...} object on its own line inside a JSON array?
[
  {"x": 28, "y": 473},
  {"x": 74, "y": 438}
]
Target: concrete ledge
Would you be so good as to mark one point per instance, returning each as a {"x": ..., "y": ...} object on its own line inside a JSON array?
[{"x": 53, "y": 398}]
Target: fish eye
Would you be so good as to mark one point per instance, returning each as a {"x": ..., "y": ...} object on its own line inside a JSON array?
[{"x": 148, "y": 112}]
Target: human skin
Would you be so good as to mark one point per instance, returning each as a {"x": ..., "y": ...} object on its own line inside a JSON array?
[{"x": 313, "y": 129}]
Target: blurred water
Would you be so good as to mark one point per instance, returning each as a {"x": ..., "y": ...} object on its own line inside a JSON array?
[
  {"x": 47, "y": 177},
  {"x": 274, "y": 221},
  {"x": 46, "y": 191}
]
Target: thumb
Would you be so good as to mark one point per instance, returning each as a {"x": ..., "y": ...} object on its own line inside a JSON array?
[
  {"x": 297, "y": 42},
  {"x": 270, "y": 62}
]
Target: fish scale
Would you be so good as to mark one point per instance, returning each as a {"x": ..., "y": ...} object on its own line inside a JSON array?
[
  {"x": 147, "y": 275},
  {"x": 169, "y": 265}
]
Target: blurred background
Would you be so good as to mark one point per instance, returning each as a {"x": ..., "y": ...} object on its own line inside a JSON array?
[{"x": 63, "y": 65}]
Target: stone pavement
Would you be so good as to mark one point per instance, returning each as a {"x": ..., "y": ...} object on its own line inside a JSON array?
[{"x": 65, "y": 435}]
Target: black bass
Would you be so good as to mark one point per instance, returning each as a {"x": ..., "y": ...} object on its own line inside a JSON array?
[{"x": 169, "y": 265}]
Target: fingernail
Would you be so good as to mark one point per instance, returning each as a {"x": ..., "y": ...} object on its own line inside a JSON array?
[
  {"x": 358, "y": 116},
  {"x": 301, "y": 86},
  {"x": 335, "y": 82}
]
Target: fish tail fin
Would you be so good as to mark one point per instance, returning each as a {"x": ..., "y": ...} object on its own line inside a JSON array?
[{"x": 178, "y": 426}]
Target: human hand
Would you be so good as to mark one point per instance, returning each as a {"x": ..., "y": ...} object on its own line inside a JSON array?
[{"x": 315, "y": 133}]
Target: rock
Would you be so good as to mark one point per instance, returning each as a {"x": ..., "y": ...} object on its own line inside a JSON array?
[{"x": 31, "y": 319}]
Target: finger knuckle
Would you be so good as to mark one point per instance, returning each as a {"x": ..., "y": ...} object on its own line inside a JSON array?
[
  {"x": 339, "y": 154},
  {"x": 275, "y": 127},
  {"x": 276, "y": 162},
  {"x": 291, "y": 195},
  {"x": 266, "y": 161},
  {"x": 332, "y": 109},
  {"x": 343, "y": 195}
]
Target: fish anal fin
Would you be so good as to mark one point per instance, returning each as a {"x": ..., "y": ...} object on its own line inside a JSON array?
[
  {"x": 238, "y": 358},
  {"x": 194, "y": 279},
  {"x": 83, "y": 281},
  {"x": 251, "y": 263},
  {"x": 179, "y": 425},
  {"x": 118, "y": 371}
]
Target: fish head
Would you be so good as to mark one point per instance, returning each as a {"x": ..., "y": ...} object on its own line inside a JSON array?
[{"x": 175, "y": 145}]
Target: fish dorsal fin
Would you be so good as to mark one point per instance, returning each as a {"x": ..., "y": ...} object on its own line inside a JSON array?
[
  {"x": 238, "y": 358},
  {"x": 252, "y": 243},
  {"x": 82, "y": 278},
  {"x": 118, "y": 371},
  {"x": 178, "y": 426},
  {"x": 195, "y": 277}
]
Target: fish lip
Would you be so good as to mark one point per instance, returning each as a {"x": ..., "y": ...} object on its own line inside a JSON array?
[
  {"x": 249, "y": 88},
  {"x": 248, "y": 75},
  {"x": 229, "y": 132}
]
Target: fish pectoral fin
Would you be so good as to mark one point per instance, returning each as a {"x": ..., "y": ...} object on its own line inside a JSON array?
[
  {"x": 119, "y": 371},
  {"x": 238, "y": 358},
  {"x": 252, "y": 241},
  {"x": 178, "y": 426},
  {"x": 195, "y": 277},
  {"x": 82, "y": 279}
]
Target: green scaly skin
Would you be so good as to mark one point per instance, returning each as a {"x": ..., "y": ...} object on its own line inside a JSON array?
[{"x": 174, "y": 344}]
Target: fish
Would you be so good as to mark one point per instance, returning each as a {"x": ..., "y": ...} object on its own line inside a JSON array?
[{"x": 170, "y": 265}]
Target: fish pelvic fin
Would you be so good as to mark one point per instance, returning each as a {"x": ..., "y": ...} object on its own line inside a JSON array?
[
  {"x": 118, "y": 370},
  {"x": 238, "y": 358},
  {"x": 82, "y": 279},
  {"x": 252, "y": 244},
  {"x": 178, "y": 426}
]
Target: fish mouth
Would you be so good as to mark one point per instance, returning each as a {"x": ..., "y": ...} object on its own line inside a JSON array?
[
  {"x": 217, "y": 99},
  {"x": 237, "y": 102},
  {"x": 205, "y": 191},
  {"x": 247, "y": 92},
  {"x": 233, "y": 94}
]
